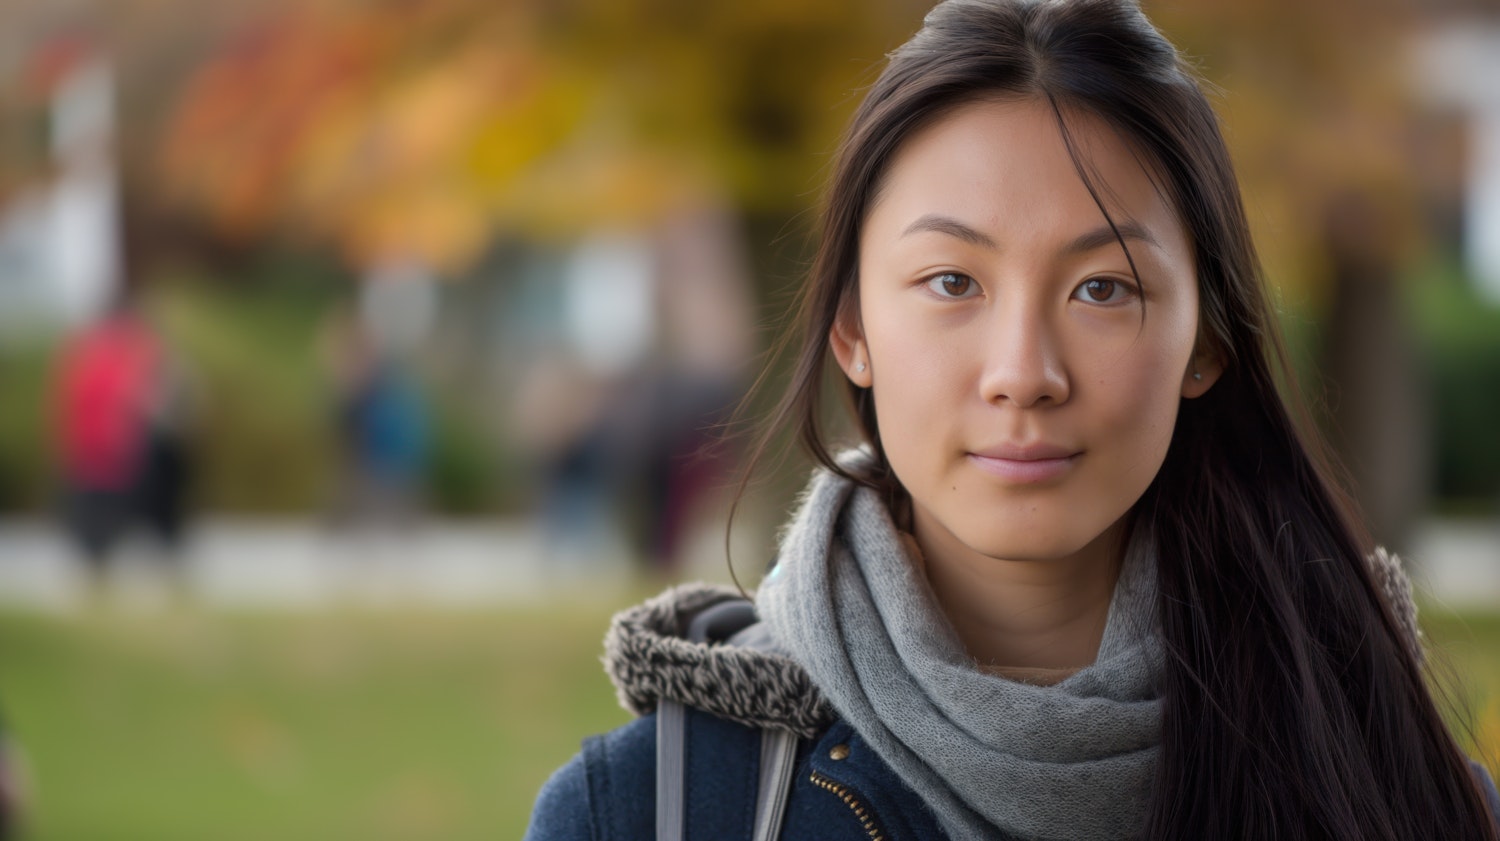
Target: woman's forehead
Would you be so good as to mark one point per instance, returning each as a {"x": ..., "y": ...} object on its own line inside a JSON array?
[{"x": 1010, "y": 168}]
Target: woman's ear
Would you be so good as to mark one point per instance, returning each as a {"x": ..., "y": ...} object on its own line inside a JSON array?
[
  {"x": 1203, "y": 371},
  {"x": 848, "y": 342}
]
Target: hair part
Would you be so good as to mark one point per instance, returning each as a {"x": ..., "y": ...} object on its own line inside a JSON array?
[{"x": 1292, "y": 709}]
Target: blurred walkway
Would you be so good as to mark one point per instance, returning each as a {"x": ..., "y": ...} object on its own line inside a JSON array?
[
  {"x": 1456, "y": 563},
  {"x": 302, "y": 565}
]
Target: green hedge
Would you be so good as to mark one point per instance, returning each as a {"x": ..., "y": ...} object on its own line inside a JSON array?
[{"x": 1460, "y": 340}]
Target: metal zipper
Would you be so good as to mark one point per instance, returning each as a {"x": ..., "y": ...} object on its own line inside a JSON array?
[{"x": 846, "y": 794}]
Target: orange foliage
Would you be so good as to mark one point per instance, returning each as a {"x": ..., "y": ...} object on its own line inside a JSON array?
[{"x": 422, "y": 127}]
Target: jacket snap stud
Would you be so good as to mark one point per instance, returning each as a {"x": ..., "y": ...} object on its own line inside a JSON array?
[{"x": 839, "y": 752}]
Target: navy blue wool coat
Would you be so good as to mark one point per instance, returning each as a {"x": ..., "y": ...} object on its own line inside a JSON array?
[{"x": 840, "y": 790}]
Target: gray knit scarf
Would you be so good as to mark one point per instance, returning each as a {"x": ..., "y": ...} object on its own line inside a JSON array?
[{"x": 992, "y": 758}]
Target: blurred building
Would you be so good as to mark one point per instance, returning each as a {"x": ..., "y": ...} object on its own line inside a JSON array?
[
  {"x": 60, "y": 260},
  {"x": 1457, "y": 67}
]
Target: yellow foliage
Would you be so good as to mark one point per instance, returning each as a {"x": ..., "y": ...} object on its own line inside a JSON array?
[
  {"x": 540, "y": 119},
  {"x": 587, "y": 189},
  {"x": 440, "y": 224}
]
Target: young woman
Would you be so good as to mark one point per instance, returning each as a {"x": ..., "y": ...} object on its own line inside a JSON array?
[{"x": 1084, "y": 576}]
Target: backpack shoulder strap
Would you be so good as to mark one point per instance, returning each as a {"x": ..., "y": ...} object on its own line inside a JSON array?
[
  {"x": 671, "y": 763},
  {"x": 778, "y": 760},
  {"x": 724, "y": 623}
]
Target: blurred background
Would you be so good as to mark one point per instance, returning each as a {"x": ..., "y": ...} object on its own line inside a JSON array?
[{"x": 358, "y": 358}]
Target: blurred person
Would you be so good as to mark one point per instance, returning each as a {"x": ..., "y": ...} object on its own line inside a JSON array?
[
  {"x": 584, "y": 435},
  {"x": 388, "y": 422},
  {"x": 709, "y": 341},
  {"x": 623, "y": 414},
  {"x": 1085, "y": 574},
  {"x": 687, "y": 460},
  {"x": 382, "y": 426},
  {"x": 600, "y": 506},
  {"x": 167, "y": 477},
  {"x": 120, "y": 411}
]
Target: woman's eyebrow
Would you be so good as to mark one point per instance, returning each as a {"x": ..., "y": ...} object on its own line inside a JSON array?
[
  {"x": 1097, "y": 238},
  {"x": 1105, "y": 235},
  {"x": 952, "y": 227}
]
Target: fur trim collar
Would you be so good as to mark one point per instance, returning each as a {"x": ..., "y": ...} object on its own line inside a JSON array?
[{"x": 647, "y": 659}]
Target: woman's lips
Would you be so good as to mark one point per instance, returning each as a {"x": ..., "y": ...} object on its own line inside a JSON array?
[{"x": 1025, "y": 465}]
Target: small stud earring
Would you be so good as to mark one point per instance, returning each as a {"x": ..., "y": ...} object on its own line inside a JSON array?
[
  {"x": 1197, "y": 376},
  {"x": 860, "y": 368}
]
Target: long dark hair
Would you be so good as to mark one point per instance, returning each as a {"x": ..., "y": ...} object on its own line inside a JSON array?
[{"x": 1293, "y": 707}]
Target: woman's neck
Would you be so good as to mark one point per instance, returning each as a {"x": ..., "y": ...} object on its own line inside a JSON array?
[{"x": 1036, "y": 620}]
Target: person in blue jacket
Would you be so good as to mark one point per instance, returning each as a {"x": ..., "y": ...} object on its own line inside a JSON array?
[{"x": 1083, "y": 574}]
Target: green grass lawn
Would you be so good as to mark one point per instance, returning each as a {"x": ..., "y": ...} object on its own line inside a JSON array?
[
  {"x": 193, "y": 725},
  {"x": 371, "y": 726}
]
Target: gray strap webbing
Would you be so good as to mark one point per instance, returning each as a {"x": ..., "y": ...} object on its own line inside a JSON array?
[
  {"x": 778, "y": 751},
  {"x": 671, "y": 764},
  {"x": 778, "y": 757}
]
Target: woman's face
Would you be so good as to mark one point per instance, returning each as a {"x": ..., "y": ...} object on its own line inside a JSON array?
[{"x": 1025, "y": 385}]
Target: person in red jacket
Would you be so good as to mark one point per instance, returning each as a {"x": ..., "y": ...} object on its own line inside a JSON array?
[{"x": 107, "y": 381}]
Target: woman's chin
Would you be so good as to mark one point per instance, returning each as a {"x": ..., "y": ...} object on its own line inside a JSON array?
[{"x": 1024, "y": 547}]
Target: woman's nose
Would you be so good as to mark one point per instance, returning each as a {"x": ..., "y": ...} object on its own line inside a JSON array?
[{"x": 1023, "y": 363}]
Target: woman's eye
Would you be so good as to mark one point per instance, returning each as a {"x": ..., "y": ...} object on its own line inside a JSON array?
[
  {"x": 952, "y": 285},
  {"x": 1103, "y": 290}
]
